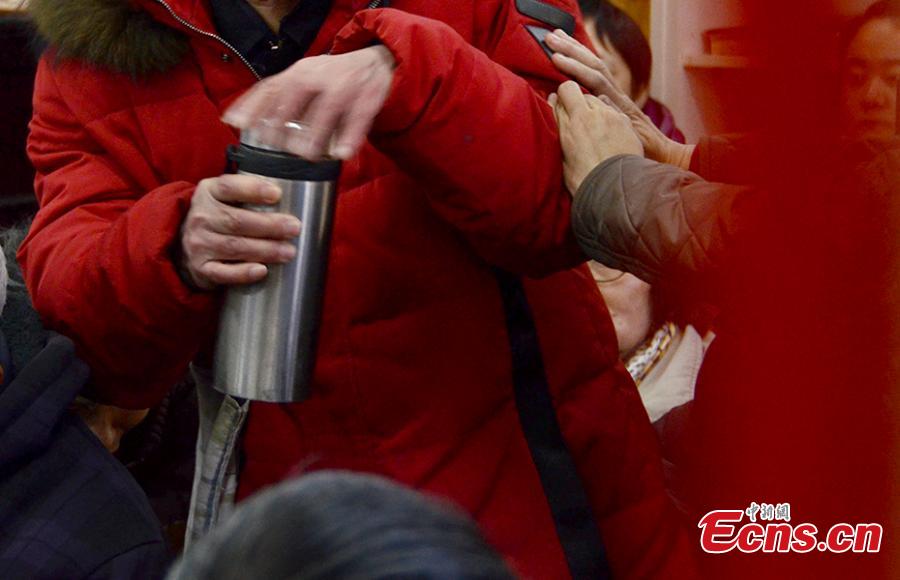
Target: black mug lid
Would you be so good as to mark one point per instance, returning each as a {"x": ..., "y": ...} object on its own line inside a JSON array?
[{"x": 280, "y": 165}]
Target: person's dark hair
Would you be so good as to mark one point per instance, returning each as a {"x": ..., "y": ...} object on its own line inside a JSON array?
[
  {"x": 882, "y": 9},
  {"x": 339, "y": 525},
  {"x": 626, "y": 36}
]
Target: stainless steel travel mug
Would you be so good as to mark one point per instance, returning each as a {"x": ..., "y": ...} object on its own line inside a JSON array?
[{"x": 268, "y": 330}]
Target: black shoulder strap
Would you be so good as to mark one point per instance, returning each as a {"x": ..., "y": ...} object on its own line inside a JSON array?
[
  {"x": 548, "y": 14},
  {"x": 575, "y": 525}
]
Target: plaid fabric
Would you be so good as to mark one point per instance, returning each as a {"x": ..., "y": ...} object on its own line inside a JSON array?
[
  {"x": 68, "y": 509},
  {"x": 222, "y": 419}
]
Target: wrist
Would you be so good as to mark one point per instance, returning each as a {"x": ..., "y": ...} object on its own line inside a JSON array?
[
  {"x": 680, "y": 155},
  {"x": 382, "y": 56}
]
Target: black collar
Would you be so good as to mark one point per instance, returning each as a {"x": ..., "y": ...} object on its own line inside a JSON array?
[{"x": 239, "y": 24}]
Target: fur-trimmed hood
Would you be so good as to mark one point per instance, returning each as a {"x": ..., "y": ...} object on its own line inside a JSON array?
[{"x": 111, "y": 34}]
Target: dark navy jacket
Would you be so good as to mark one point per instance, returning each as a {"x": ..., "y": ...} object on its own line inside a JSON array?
[{"x": 68, "y": 508}]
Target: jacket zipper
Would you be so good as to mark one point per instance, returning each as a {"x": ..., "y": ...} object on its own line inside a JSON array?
[{"x": 190, "y": 26}]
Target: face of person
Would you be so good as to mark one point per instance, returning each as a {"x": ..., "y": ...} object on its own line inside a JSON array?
[
  {"x": 108, "y": 423},
  {"x": 618, "y": 68},
  {"x": 628, "y": 299},
  {"x": 614, "y": 62},
  {"x": 869, "y": 81}
]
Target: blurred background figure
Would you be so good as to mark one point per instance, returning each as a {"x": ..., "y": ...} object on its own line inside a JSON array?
[
  {"x": 68, "y": 508},
  {"x": 663, "y": 342},
  {"x": 870, "y": 70},
  {"x": 663, "y": 345},
  {"x": 156, "y": 446},
  {"x": 334, "y": 525},
  {"x": 797, "y": 399},
  {"x": 621, "y": 43},
  {"x": 641, "y": 317}
]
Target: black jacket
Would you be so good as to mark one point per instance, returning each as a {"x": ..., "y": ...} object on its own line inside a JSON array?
[{"x": 68, "y": 508}]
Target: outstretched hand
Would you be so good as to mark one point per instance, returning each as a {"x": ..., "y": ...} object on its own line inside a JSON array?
[
  {"x": 579, "y": 62},
  {"x": 321, "y": 106},
  {"x": 591, "y": 130}
]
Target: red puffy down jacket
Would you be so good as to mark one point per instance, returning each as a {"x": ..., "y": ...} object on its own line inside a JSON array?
[{"x": 450, "y": 281}]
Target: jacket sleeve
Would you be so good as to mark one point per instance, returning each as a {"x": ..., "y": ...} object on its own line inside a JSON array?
[
  {"x": 467, "y": 123},
  {"x": 659, "y": 222},
  {"x": 734, "y": 158},
  {"x": 97, "y": 259}
]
